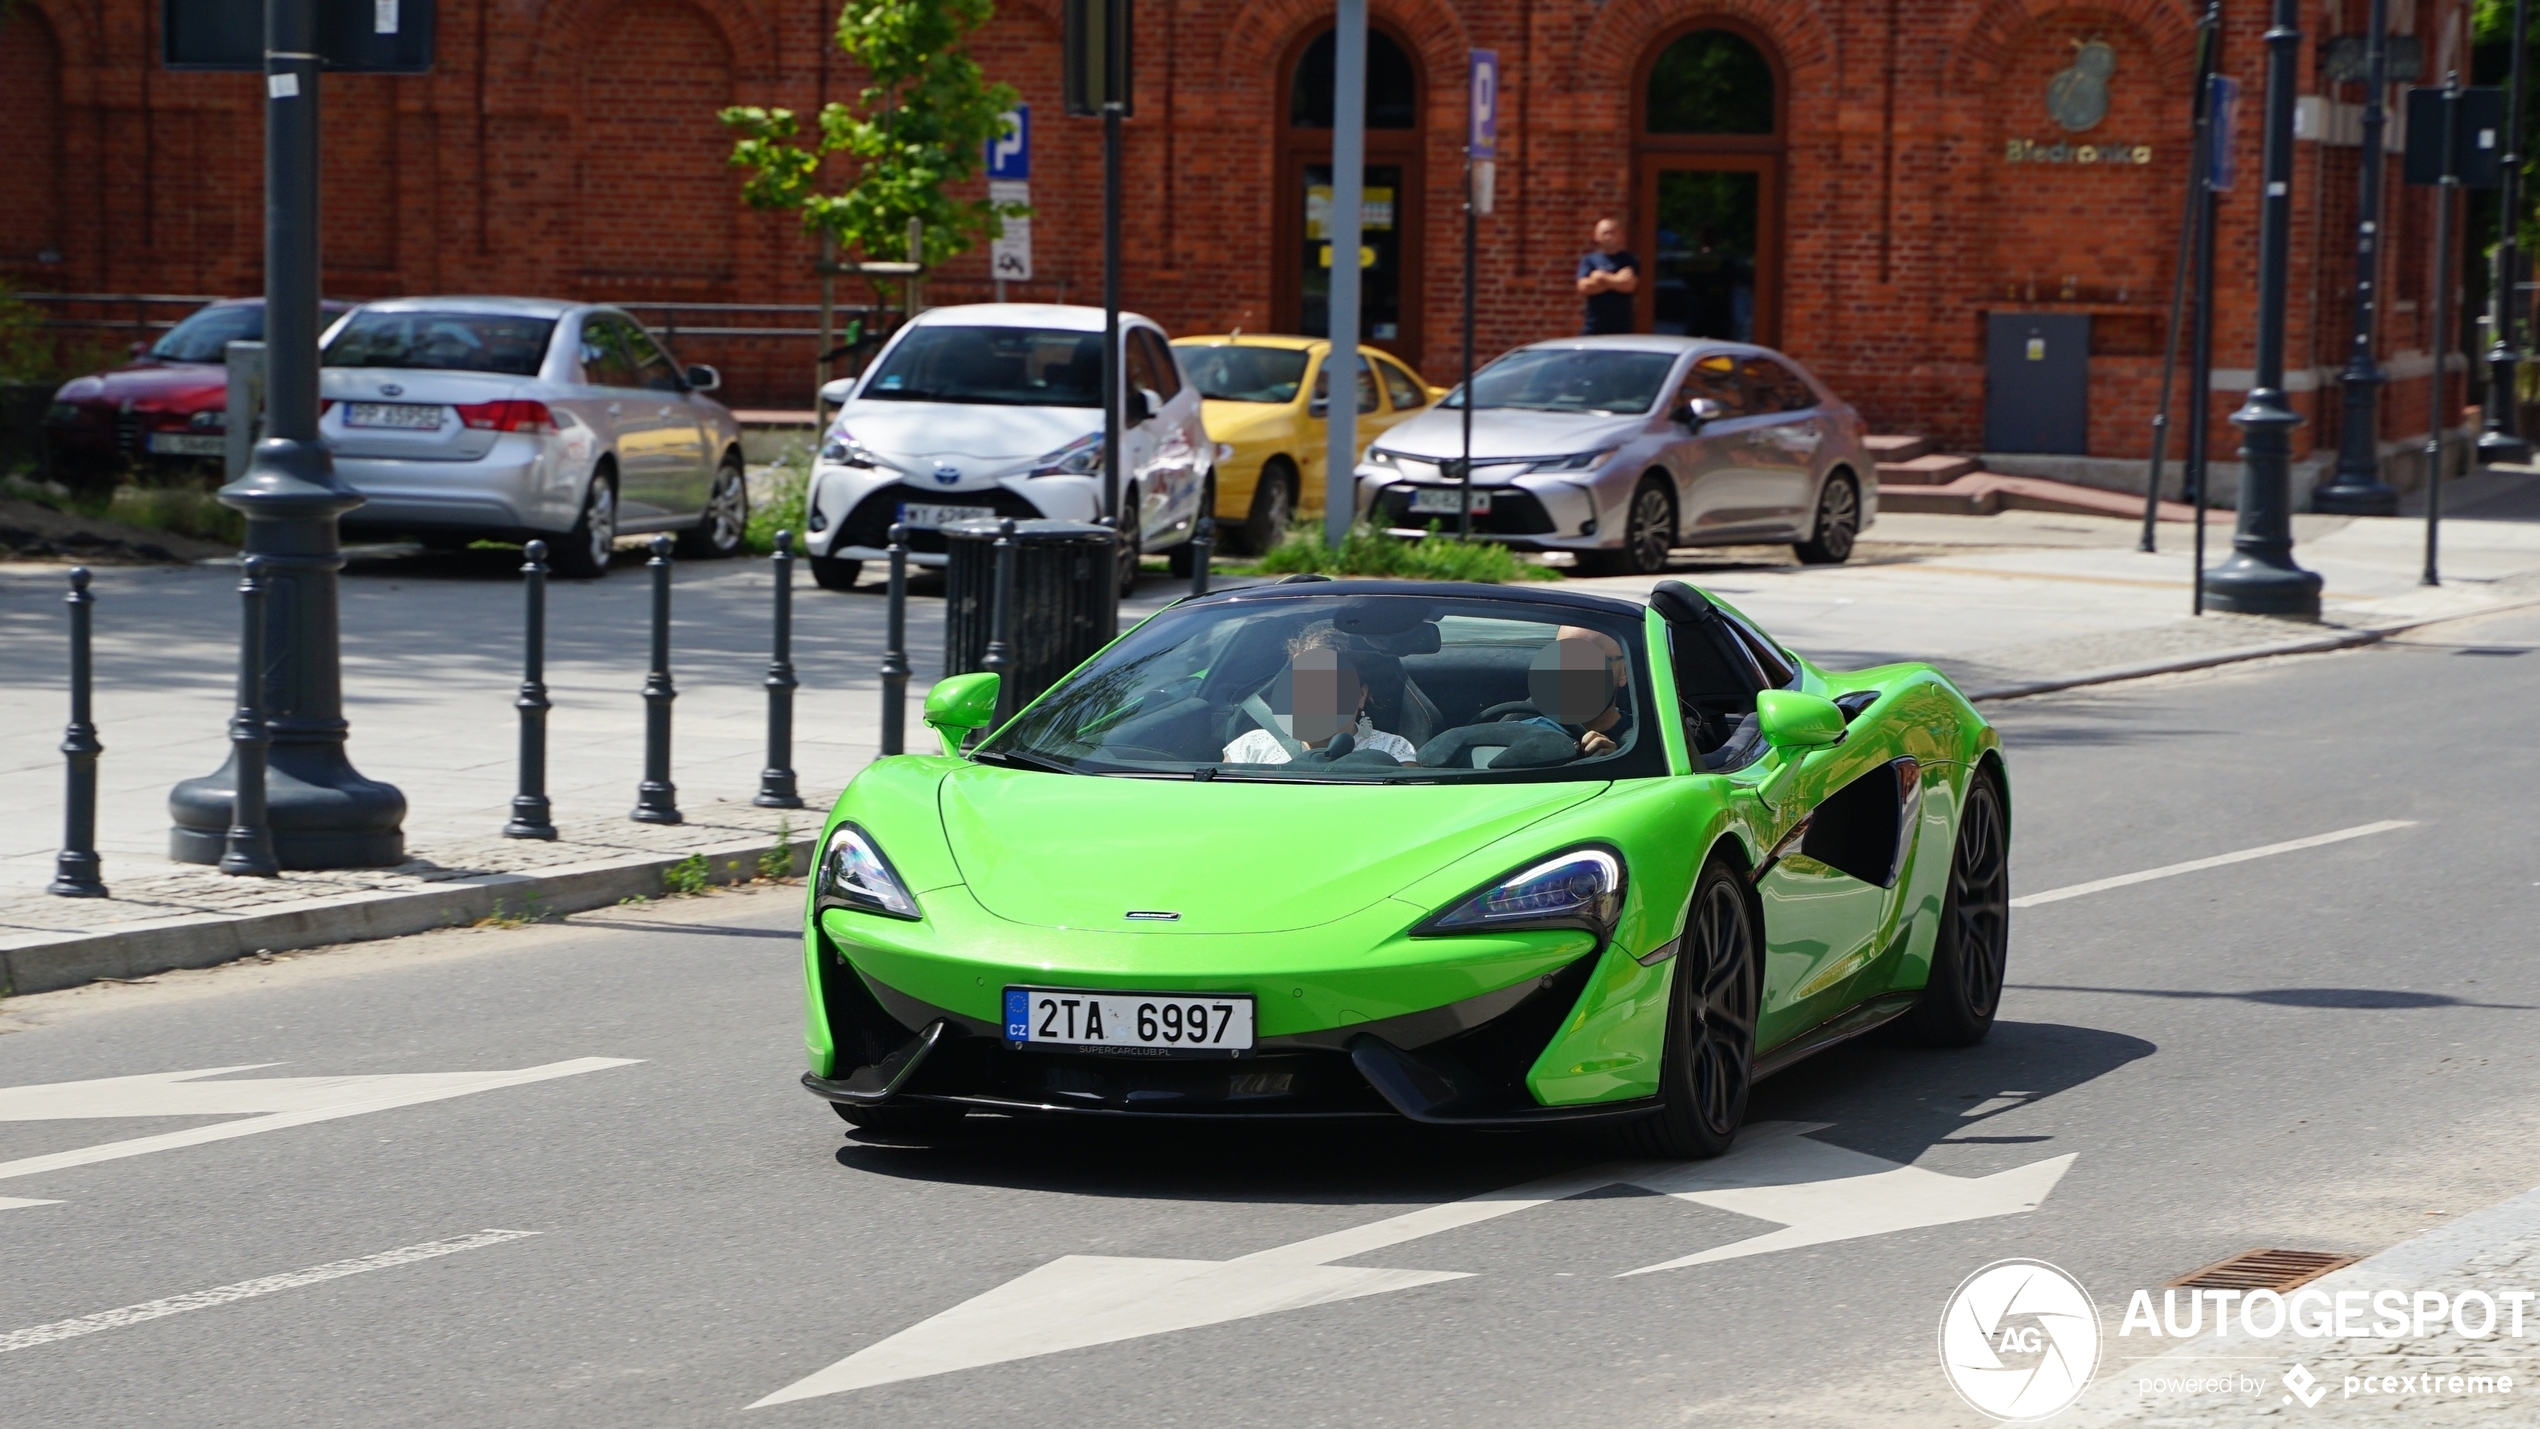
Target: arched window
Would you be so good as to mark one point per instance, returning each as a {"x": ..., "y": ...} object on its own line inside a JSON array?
[
  {"x": 1707, "y": 82},
  {"x": 1392, "y": 92}
]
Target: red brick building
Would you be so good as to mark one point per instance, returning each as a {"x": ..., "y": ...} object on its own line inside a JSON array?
[{"x": 1861, "y": 182}]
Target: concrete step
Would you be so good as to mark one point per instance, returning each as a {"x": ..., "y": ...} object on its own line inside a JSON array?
[
  {"x": 1896, "y": 448},
  {"x": 1931, "y": 469},
  {"x": 1983, "y": 493}
]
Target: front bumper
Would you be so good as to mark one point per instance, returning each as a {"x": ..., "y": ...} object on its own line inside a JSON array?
[
  {"x": 852, "y": 509},
  {"x": 922, "y": 1027},
  {"x": 1540, "y": 513}
]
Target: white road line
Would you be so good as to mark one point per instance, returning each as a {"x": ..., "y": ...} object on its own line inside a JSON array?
[
  {"x": 2101, "y": 885},
  {"x": 248, "y": 1289}
]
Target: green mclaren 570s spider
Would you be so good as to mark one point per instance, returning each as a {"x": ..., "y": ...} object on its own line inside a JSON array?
[{"x": 1473, "y": 855}]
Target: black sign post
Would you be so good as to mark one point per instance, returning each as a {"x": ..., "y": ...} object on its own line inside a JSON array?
[
  {"x": 1098, "y": 60},
  {"x": 322, "y": 812},
  {"x": 2455, "y": 141}
]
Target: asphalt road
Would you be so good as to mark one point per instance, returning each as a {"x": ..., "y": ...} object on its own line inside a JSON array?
[{"x": 2329, "y": 1048}]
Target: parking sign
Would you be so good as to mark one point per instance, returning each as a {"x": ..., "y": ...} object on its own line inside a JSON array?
[
  {"x": 1483, "y": 131},
  {"x": 1010, "y": 153}
]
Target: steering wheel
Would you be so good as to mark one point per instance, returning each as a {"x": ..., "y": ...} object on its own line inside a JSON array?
[{"x": 1508, "y": 709}]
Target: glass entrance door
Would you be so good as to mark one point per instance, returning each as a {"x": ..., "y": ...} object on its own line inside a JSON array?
[
  {"x": 1710, "y": 229},
  {"x": 1380, "y": 255}
]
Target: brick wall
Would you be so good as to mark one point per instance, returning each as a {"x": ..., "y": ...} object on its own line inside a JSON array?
[{"x": 568, "y": 147}]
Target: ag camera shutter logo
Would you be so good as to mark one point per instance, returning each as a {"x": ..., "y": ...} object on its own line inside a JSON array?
[{"x": 2019, "y": 1340}]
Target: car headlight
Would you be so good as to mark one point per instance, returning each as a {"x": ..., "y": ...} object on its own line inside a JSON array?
[
  {"x": 1081, "y": 457},
  {"x": 854, "y": 874},
  {"x": 1576, "y": 461},
  {"x": 1577, "y": 888},
  {"x": 841, "y": 447},
  {"x": 1378, "y": 456}
]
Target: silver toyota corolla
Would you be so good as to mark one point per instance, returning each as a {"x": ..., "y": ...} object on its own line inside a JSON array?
[
  {"x": 512, "y": 418},
  {"x": 1619, "y": 448}
]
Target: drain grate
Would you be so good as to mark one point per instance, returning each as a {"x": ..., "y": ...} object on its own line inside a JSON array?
[{"x": 2277, "y": 1270}]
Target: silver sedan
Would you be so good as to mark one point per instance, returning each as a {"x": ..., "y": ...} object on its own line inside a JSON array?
[
  {"x": 1621, "y": 448},
  {"x": 512, "y": 418}
]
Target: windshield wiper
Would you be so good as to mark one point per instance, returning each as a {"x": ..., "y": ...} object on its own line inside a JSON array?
[{"x": 1022, "y": 759}]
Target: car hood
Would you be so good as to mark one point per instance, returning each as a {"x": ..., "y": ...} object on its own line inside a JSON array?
[
  {"x": 1229, "y": 856},
  {"x": 1439, "y": 433},
  {"x": 153, "y": 387},
  {"x": 924, "y": 429}
]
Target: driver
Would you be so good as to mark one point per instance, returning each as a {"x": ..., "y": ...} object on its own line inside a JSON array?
[
  {"x": 1329, "y": 703},
  {"x": 1577, "y": 682}
]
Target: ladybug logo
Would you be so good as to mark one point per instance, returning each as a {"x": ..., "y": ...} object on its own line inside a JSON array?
[{"x": 2078, "y": 96}]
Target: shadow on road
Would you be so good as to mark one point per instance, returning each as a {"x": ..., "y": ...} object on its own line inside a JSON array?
[{"x": 2359, "y": 999}]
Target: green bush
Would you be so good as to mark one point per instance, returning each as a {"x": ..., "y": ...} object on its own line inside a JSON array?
[
  {"x": 688, "y": 876},
  {"x": 181, "y": 510},
  {"x": 776, "y": 502},
  {"x": 1367, "y": 551}
]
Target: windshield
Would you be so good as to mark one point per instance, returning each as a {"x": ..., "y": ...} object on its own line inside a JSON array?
[
  {"x": 450, "y": 342},
  {"x": 1354, "y": 688},
  {"x": 206, "y": 336},
  {"x": 1570, "y": 379},
  {"x": 998, "y": 366},
  {"x": 1224, "y": 372}
]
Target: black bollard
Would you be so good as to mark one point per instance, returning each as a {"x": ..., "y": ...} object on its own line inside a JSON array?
[
  {"x": 657, "y": 799},
  {"x": 532, "y": 817},
  {"x": 776, "y": 781},
  {"x": 895, "y": 647},
  {"x": 1000, "y": 657},
  {"x": 247, "y": 849},
  {"x": 78, "y": 872},
  {"x": 1203, "y": 541}
]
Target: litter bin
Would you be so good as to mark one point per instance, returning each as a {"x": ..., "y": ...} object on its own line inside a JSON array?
[{"x": 1066, "y": 600}]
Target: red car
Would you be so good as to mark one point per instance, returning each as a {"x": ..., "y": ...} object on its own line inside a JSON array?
[{"x": 163, "y": 415}]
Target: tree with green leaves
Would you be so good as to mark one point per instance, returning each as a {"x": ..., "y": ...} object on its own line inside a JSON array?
[{"x": 922, "y": 124}]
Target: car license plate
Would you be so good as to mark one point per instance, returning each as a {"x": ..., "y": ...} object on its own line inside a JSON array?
[
  {"x": 1169, "y": 1024},
  {"x": 397, "y": 416},
  {"x": 919, "y": 516},
  {"x": 187, "y": 444},
  {"x": 1446, "y": 501}
]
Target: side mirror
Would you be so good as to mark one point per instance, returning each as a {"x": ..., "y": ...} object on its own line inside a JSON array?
[
  {"x": 1697, "y": 412},
  {"x": 964, "y": 703},
  {"x": 141, "y": 349},
  {"x": 1319, "y": 407},
  {"x": 1141, "y": 405},
  {"x": 835, "y": 394},
  {"x": 702, "y": 378},
  {"x": 1790, "y": 720}
]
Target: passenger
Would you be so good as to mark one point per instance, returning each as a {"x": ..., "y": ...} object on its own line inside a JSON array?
[{"x": 1329, "y": 703}]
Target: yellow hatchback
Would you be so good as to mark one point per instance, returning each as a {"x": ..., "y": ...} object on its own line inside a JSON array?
[{"x": 1264, "y": 396}]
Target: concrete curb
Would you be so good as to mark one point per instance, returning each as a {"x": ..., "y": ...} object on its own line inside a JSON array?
[{"x": 43, "y": 962}]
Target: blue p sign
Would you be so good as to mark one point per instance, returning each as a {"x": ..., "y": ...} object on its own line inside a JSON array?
[
  {"x": 1483, "y": 129},
  {"x": 1010, "y": 153}
]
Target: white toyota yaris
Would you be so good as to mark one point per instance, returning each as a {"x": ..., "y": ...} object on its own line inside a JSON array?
[{"x": 995, "y": 409}]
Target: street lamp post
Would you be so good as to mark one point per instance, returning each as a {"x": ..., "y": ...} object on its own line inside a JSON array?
[
  {"x": 323, "y": 813},
  {"x": 2357, "y": 488},
  {"x": 2260, "y": 578},
  {"x": 2501, "y": 438}
]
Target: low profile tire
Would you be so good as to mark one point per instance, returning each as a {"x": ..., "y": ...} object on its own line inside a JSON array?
[
  {"x": 1273, "y": 507},
  {"x": 1132, "y": 547},
  {"x": 726, "y": 519},
  {"x": 1838, "y": 524},
  {"x": 831, "y": 574},
  {"x": 1968, "y": 957},
  {"x": 1184, "y": 558},
  {"x": 1649, "y": 532},
  {"x": 583, "y": 554},
  {"x": 898, "y": 1119},
  {"x": 1709, "y": 1067}
]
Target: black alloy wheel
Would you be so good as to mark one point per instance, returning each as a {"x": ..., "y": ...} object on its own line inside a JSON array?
[
  {"x": 1132, "y": 541},
  {"x": 1273, "y": 507},
  {"x": 725, "y": 520},
  {"x": 1709, "y": 1068},
  {"x": 1973, "y": 946},
  {"x": 1838, "y": 523},
  {"x": 583, "y": 554},
  {"x": 1649, "y": 533}
]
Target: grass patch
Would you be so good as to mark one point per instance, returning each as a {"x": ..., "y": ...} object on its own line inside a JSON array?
[
  {"x": 776, "y": 501},
  {"x": 1367, "y": 551},
  {"x": 178, "y": 510},
  {"x": 686, "y": 877},
  {"x": 776, "y": 862}
]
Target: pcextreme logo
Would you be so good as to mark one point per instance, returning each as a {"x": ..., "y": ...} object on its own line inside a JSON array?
[{"x": 2019, "y": 1340}]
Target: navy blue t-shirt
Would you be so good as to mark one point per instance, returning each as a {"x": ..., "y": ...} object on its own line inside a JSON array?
[{"x": 1608, "y": 312}]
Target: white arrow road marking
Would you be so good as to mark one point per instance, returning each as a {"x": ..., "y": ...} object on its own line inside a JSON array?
[
  {"x": 1818, "y": 1192},
  {"x": 1823, "y": 1193},
  {"x": 286, "y": 1102},
  {"x": 246, "y": 1290},
  {"x": 1082, "y": 1300},
  {"x": 2195, "y": 865}
]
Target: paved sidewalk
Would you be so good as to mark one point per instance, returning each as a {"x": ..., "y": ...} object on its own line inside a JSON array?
[{"x": 431, "y": 661}]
